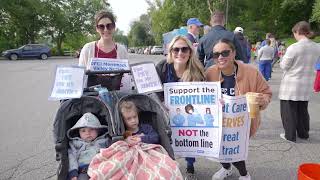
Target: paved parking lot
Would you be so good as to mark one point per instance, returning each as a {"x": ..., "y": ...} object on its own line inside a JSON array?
[{"x": 27, "y": 149}]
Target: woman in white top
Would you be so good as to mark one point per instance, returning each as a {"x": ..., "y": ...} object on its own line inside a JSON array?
[
  {"x": 105, "y": 47},
  {"x": 265, "y": 57},
  {"x": 296, "y": 83}
]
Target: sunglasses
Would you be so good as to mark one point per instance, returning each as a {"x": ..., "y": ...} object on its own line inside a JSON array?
[
  {"x": 109, "y": 26},
  {"x": 176, "y": 50},
  {"x": 224, "y": 53}
]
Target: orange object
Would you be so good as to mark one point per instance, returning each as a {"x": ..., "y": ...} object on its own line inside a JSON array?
[
  {"x": 309, "y": 171},
  {"x": 127, "y": 134}
]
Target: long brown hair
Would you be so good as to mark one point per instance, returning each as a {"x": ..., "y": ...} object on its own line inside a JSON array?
[
  {"x": 303, "y": 28},
  {"x": 194, "y": 70}
]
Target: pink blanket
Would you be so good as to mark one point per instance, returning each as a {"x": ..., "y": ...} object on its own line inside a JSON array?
[{"x": 140, "y": 161}]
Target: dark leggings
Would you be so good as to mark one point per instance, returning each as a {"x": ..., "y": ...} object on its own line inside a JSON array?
[{"x": 240, "y": 165}]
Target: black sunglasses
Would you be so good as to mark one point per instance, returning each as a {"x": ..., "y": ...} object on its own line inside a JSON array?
[
  {"x": 224, "y": 53},
  {"x": 109, "y": 26},
  {"x": 182, "y": 49}
]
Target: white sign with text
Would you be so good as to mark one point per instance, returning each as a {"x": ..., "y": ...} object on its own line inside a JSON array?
[
  {"x": 68, "y": 83},
  {"x": 146, "y": 78},
  {"x": 195, "y": 117},
  {"x": 108, "y": 64}
]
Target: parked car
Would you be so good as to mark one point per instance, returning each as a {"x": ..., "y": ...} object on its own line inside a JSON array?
[
  {"x": 157, "y": 50},
  {"x": 41, "y": 51}
]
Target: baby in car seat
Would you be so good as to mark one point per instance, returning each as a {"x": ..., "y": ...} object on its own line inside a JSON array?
[{"x": 87, "y": 137}]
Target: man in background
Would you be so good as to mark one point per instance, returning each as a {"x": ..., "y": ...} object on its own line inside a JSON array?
[
  {"x": 217, "y": 32},
  {"x": 246, "y": 47},
  {"x": 193, "y": 30}
]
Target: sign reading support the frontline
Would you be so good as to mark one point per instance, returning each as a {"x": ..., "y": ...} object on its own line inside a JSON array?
[
  {"x": 108, "y": 64},
  {"x": 146, "y": 77},
  {"x": 68, "y": 83},
  {"x": 236, "y": 129},
  {"x": 195, "y": 117}
]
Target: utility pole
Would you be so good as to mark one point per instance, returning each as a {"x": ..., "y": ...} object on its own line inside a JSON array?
[{"x": 227, "y": 10}]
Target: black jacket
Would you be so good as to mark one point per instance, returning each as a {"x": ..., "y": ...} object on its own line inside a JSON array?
[{"x": 212, "y": 37}]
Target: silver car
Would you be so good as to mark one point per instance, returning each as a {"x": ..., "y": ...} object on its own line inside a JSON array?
[{"x": 157, "y": 50}]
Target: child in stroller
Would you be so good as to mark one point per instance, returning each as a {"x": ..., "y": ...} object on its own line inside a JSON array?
[
  {"x": 87, "y": 137},
  {"x": 138, "y": 132},
  {"x": 69, "y": 112},
  {"x": 135, "y": 158},
  {"x": 151, "y": 114}
]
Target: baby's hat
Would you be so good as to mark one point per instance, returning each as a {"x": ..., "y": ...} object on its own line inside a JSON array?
[{"x": 87, "y": 120}]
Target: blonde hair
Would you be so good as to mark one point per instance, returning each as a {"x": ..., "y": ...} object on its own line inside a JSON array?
[
  {"x": 128, "y": 106},
  {"x": 194, "y": 70}
]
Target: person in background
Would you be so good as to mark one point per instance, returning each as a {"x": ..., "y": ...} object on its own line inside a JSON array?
[
  {"x": 296, "y": 83},
  {"x": 181, "y": 65},
  {"x": 316, "y": 85},
  {"x": 217, "y": 32},
  {"x": 256, "y": 50},
  {"x": 206, "y": 29},
  {"x": 193, "y": 30},
  {"x": 265, "y": 56},
  {"x": 246, "y": 47},
  {"x": 282, "y": 50},
  {"x": 236, "y": 79}
]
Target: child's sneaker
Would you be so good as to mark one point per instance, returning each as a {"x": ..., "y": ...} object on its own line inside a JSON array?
[
  {"x": 246, "y": 177},
  {"x": 222, "y": 173}
]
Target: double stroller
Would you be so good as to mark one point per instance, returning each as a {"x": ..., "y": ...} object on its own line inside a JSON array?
[{"x": 150, "y": 111}]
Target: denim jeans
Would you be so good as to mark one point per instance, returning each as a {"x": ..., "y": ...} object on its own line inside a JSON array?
[
  {"x": 190, "y": 161},
  {"x": 265, "y": 68}
]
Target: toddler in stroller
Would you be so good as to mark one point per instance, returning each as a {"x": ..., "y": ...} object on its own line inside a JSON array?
[
  {"x": 87, "y": 137},
  {"x": 69, "y": 112},
  {"x": 136, "y": 132}
]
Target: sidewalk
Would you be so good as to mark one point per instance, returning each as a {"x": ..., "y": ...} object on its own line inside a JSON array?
[{"x": 270, "y": 157}]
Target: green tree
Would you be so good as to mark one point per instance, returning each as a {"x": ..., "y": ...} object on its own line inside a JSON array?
[
  {"x": 140, "y": 32},
  {"x": 119, "y": 37},
  {"x": 23, "y": 20},
  {"x": 70, "y": 17}
]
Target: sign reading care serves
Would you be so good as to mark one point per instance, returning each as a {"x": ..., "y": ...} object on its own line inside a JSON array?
[
  {"x": 146, "y": 77},
  {"x": 236, "y": 129},
  {"x": 108, "y": 64},
  {"x": 68, "y": 83}
]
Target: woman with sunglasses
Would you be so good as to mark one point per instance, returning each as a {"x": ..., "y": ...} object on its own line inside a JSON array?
[
  {"x": 181, "y": 65},
  {"x": 105, "y": 47},
  {"x": 236, "y": 79}
]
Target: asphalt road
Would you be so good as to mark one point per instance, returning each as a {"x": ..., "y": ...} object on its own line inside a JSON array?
[{"x": 27, "y": 149}]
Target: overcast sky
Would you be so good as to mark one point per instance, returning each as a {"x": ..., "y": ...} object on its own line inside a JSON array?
[{"x": 127, "y": 11}]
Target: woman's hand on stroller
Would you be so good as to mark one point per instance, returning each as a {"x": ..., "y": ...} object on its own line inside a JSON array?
[{"x": 74, "y": 178}]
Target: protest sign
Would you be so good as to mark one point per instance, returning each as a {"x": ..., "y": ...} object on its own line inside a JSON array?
[
  {"x": 68, "y": 83},
  {"x": 236, "y": 129},
  {"x": 195, "y": 116},
  {"x": 108, "y": 64},
  {"x": 146, "y": 77}
]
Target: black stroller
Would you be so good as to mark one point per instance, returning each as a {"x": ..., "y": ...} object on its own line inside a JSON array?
[
  {"x": 67, "y": 116},
  {"x": 71, "y": 110},
  {"x": 151, "y": 111}
]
